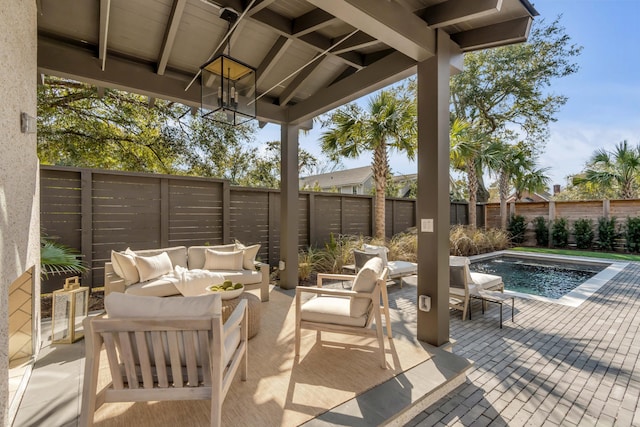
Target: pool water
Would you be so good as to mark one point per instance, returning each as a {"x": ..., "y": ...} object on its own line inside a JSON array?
[{"x": 551, "y": 279}]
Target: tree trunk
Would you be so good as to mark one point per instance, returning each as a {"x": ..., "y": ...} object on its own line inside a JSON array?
[
  {"x": 503, "y": 186},
  {"x": 380, "y": 171},
  {"x": 473, "y": 191}
]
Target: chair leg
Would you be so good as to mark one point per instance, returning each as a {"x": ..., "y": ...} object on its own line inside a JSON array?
[
  {"x": 380, "y": 336},
  {"x": 93, "y": 345},
  {"x": 385, "y": 305}
]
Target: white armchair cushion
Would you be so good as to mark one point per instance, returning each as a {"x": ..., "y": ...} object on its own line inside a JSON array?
[
  {"x": 365, "y": 281},
  {"x": 124, "y": 265},
  {"x": 334, "y": 310},
  {"x": 380, "y": 250},
  {"x": 154, "y": 266},
  {"x": 485, "y": 281},
  {"x": 215, "y": 260}
]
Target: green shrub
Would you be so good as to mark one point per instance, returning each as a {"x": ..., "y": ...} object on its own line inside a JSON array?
[
  {"x": 560, "y": 233},
  {"x": 541, "y": 227},
  {"x": 607, "y": 233},
  {"x": 516, "y": 228},
  {"x": 632, "y": 233},
  {"x": 583, "y": 232}
]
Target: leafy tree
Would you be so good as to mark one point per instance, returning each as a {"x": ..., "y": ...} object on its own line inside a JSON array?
[
  {"x": 389, "y": 122},
  {"x": 501, "y": 93},
  {"x": 264, "y": 171},
  {"x": 618, "y": 170},
  {"x": 78, "y": 126}
]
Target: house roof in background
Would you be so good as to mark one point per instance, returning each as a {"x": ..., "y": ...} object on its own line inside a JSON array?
[{"x": 338, "y": 179}]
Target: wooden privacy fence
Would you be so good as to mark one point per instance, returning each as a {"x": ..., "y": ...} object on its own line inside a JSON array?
[
  {"x": 96, "y": 211},
  {"x": 570, "y": 210}
]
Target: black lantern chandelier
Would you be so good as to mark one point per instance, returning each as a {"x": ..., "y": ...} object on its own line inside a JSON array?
[{"x": 228, "y": 85}]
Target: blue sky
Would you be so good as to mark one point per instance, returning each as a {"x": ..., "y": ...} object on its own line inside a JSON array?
[{"x": 604, "y": 95}]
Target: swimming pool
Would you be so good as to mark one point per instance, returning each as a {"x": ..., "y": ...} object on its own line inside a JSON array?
[{"x": 563, "y": 280}]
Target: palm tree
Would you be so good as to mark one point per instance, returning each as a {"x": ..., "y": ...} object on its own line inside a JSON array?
[
  {"x": 619, "y": 169},
  {"x": 467, "y": 155},
  {"x": 388, "y": 122},
  {"x": 516, "y": 167}
]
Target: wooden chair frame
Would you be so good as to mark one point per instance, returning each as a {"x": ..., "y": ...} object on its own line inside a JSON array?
[
  {"x": 374, "y": 311},
  {"x": 138, "y": 377}
]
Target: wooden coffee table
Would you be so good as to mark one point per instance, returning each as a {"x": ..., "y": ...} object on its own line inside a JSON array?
[{"x": 253, "y": 311}]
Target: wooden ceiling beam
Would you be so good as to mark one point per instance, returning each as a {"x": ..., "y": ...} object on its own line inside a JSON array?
[
  {"x": 508, "y": 32},
  {"x": 312, "y": 21},
  {"x": 455, "y": 12},
  {"x": 284, "y": 27},
  {"x": 105, "y": 11},
  {"x": 272, "y": 58},
  {"x": 357, "y": 41},
  {"x": 170, "y": 34},
  {"x": 386, "y": 71},
  {"x": 393, "y": 25},
  {"x": 288, "y": 92}
]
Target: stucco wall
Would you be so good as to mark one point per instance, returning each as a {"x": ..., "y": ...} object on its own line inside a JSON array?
[{"x": 19, "y": 192}]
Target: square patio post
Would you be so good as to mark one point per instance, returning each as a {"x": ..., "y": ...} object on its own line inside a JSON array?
[
  {"x": 289, "y": 205},
  {"x": 433, "y": 192}
]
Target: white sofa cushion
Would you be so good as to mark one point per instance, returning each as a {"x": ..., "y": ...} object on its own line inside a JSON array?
[
  {"x": 246, "y": 277},
  {"x": 124, "y": 265},
  {"x": 177, "y": 254},
  {"x": 249, "y": 255},
  {"x": 163, "y": 286},
  {"x": 153, "y": 267},
  {"x": 335, "y": 310},
  {"x": 196, "y": 254},
  {"x": 231, "y": 261}
]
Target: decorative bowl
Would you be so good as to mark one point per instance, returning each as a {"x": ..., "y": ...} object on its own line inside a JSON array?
[{"x": 226, "y": 294}]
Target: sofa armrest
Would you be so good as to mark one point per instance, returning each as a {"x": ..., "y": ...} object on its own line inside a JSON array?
[
  {"x": 264, "y": 284},
  {"x": 112, "y": 282}
]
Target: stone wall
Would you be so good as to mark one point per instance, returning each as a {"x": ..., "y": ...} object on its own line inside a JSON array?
[{"x": 19, "y": 190}]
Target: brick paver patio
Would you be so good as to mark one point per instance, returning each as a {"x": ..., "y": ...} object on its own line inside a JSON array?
[{"x": 555, "y": 365}]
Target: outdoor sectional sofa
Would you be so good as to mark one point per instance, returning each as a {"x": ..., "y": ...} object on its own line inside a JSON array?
[{"x": 151, "y": 273}]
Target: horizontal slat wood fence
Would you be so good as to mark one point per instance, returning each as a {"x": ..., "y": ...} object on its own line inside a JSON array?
[
  {"x": 97, "y": 211},
  {"x": 569, "y": 210}
]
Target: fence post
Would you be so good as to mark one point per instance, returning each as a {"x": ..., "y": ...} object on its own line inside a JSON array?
[
  {"x": 312, "y": 220},
  {"x": 226, "y": 212},
  {"x": 86, "y": 242},
  {"x": 343, "y": 216},
  {"x": 164, "y": 212},
  {"x": 606, "y": 208},
  {"x": 273, "y": 232},
  {"x": 552, "y": 217}
]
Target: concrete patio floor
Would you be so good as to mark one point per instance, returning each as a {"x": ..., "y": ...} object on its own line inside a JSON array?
[{"x": 555, "y": 365}]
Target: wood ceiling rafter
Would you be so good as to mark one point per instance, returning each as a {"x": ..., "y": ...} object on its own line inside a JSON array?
[
  {"x": 508, "y": 32},
  {"x": 451, "y": 13},
  {"x": 170, "y": 34},
  {"x": 299, "y": 79},
  {"x": 312, "y": 21},
  {"x": 283, "y": 26},
  {"x": 395, "y": 26},
  {"x": 105, "y": 11}
]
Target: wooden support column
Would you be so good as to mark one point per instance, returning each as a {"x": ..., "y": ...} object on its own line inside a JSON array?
[
  {"x": 433, "y": 192},
  {"x": 86, "y": 240},
  {"x": 289, "y": 206}
]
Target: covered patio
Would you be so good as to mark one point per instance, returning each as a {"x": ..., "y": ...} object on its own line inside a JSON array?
[{"x": 311, "y": 56}]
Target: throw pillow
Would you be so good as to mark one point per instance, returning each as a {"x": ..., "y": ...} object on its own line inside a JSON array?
[
  {"x": 365, "y": 281},
  {"x": 249, "y": 255},
  {"x": 124, "y": 265},
  {"x": 230, "y": 261},
  {"x": 153, "y": 266},
  {"x": 380, "y": 250}
]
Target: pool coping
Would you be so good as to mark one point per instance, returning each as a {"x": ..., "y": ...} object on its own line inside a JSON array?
[{"x": 577, "y": 296}]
